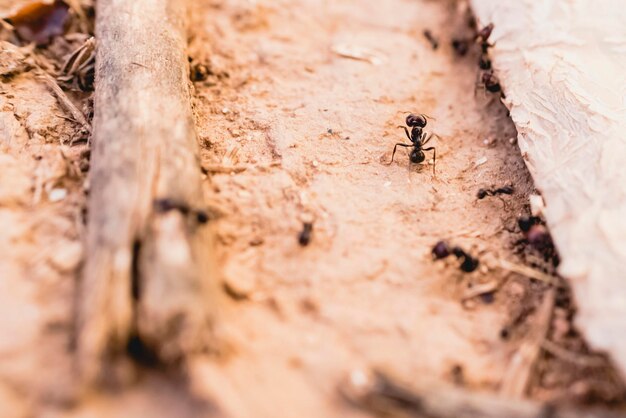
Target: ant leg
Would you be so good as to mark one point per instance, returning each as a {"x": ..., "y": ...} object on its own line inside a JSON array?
[
  {"x": 407, "y": 132},
  {"x": 434, "y": 157},
  {"x": 478, "y": 84},
  {"x": 394, "y": 150},
  {"x": 505, "y": 206},
  {"x": 425, "y": 141}
]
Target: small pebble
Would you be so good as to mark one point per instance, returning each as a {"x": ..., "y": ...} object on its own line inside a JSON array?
[{"x": 57, "y": 195}]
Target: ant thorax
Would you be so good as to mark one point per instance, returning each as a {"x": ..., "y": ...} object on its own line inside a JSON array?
[{"x": 416, "y": 134}]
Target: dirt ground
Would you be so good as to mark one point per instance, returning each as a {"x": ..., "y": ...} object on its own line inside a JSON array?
[{"x": 297, "y": 115}]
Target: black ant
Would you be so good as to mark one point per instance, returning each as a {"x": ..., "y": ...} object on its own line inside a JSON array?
[
  {"x": 484, "y": 62},
  {"x": 442, "y": 250},
  {"x": 482, "y": 193},
  {"x": 434, "y": 42},
  {"x": 418, "y": 139},
  {"x": 489, "y": 82},
  {"x": 460, "y": 46},
  {"x": 487, "y": 78},
  {"x": 304, "y": 238},
  {"x": 482, "y": 37},
  {"x": 538, "y": 237}
]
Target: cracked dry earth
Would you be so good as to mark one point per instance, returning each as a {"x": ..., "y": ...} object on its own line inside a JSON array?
[{"x": 298, "y": 115}]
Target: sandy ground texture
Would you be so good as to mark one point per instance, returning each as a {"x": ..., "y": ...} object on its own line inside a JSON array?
[
  {"x": 313, "y": 129},
  {"x": 297, "y": 105}
]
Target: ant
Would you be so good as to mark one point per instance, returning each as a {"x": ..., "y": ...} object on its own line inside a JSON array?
[
  {"x": 490, "y": 83},
  {"x": 482, "y": 193},
  {"x": 537, "y": 235},
  {"x": 442, "y": 250},
  {"x": 434, "y": 42},
  {"x": 482, "y": 37},
  {"x": 460, "y": 46},
  {"x": 484, "y": 62},
  {"x": 418, "y": 139},
  {"x": 487, "y": 77},
  {"x": 304, "y": 238}
]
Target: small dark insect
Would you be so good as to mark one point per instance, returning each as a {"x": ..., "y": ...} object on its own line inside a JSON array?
[
  {"x": 458, "y": 376},
  {"x": 482, "y": 193},
  {"x": 304, "y": 238},
  {"x": 482, "y": 37},
  {"x": 539, "y": 237},
  {"x": 434, "y": 42},
  {"x": 527, "y": 222},
  {"x": 418, "y": 139},
  {"x": 199, "y": 72},
  {"x": 489, "y": 82},
  {"x": 468, "y": 263},
  {"x": 202, "y": 217},
  {"x": 460, "y": 46},
  {"x": 484, "y": 62},
  {"x": 442, "y": 250}
]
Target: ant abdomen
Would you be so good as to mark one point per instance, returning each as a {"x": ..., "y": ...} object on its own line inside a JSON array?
[{"x": 417, "y": 157}]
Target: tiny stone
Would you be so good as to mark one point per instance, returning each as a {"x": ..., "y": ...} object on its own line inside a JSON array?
[
  {"x": 67, "y": 257},
  {"x": 57, "y": 195}
]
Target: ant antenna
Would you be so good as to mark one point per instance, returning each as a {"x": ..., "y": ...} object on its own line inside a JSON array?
[{"x": 408, "y": 112}]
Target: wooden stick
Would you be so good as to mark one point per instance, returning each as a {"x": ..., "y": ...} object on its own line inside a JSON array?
[
  {"x": 383, "y": 396},
  {"x": 517, "y": 379},
  {"x": 145, "y": 282}
]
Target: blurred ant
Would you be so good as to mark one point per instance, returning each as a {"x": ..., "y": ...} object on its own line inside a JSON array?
[
  {"x": 484, "y": 62},
  {"x": 460, "y": 46},
  {"x": 487, "y": 79},
  {"x": 489, "y": 82},
  {"x": 442, "y": 250},
  {"x": 304, "y": 238},
  {"x": 434, "y": 42},
  {"x": 482, "y": 37},
  {"x": 418, "y": 139},
  {"x": 482, "y": 193},
  {"x": 537, "y": 236}
]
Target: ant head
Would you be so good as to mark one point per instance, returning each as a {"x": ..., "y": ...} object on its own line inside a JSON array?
[
  {"x": 485, "y": 32},
  {"x": 416, "y": 120}
]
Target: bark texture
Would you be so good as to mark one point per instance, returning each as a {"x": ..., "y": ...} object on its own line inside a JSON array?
[{"x": 145, "y": 274}]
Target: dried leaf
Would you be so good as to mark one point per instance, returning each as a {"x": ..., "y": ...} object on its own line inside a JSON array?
[{"x": 40, "y": 21}]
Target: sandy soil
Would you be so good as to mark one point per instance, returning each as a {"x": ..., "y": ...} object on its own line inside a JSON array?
[
  {"x": 315, "y": 129},
  {"x": 293, "y": 130}
]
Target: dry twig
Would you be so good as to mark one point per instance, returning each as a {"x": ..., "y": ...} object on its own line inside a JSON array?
[{"x": 145, "y": 281}]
